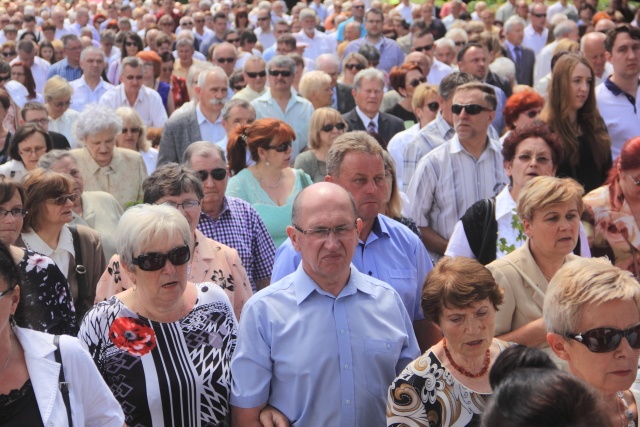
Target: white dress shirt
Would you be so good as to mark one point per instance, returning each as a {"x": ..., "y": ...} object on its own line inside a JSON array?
[
  {"x": 83, "y": 95},
  {"x": 534, "y": 40},
  {"x": 148, "y": 105},
  {"x": 61, "y": 255},
  {"x": 316, "y": 46},
  {"x": 64, "y": 125}
]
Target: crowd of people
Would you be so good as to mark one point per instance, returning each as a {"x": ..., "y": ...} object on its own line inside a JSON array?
[{"x": 320, "y": 213}]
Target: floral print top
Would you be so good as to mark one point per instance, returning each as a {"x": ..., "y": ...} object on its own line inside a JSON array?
[
  {"x": 166, "y": 374},
  {"x": 426, "y": 394},
  {"x": 45, "y": 298}
]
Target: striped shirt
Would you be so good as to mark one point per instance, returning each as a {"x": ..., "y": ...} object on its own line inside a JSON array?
[{"x": 449, "y": 180}]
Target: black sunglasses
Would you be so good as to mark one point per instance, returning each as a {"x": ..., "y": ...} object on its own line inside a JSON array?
[
  {"x": 416, "y": 82},
  {"x": 258, "y": 74},
  {"x": 282, "y": 147},
  {"x": 460, "y": 43},
  {"x": 59, "y": 201},
  {"x": 433, "y": 106},
  {"x": 540, "y": 15},
  {"x": 421, "y": 48},
  {"x": 223, "y": 60},
  {"x": 283, "y": 73},
  {"x": 8, "y": 54},
  {"x": 604, "y": 340},
  {"x": 155, "y": 261},
  {"x": 218, "y": 174},
  {"x": 329, "y": 127},
  {"x": 471, "y": 109},
  {"x": 358, "y": 67}
]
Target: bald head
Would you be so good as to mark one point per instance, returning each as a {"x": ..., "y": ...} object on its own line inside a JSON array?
[
  {"x": 605, "y": 25},
  {"x": 320, "y": 194},
  {"x": 423, "y": 61},
  {"x": 592, "y": 48}
]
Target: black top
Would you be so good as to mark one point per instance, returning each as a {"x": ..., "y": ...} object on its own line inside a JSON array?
[
  {"x": 585, "y": 171},
  {"x": 399, "y": 111},
  {"x": 20, "y": 408}
]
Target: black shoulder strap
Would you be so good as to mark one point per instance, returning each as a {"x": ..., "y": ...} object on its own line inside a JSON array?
[
  {"x": 64, "y": 386},
  {"x": 81, "y": 271}
]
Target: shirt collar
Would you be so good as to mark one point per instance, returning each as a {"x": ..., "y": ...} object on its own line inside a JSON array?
[
  {"x": 141, "y": 94},
  {"x": 365, "y": 119},
  {"x": 36, "y": 244},
  {"x": 305, "y": 286},
  {"x": 225, "y": 209},
  {"x": 443, "y": 127},
  {"x": 504, "y": 203},
  {"x": 456, "y": 145},
  {"x": 202, "y": 119}
]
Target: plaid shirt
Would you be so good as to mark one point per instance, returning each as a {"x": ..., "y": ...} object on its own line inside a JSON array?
[
  {"x": 240, "y": 227},
  {"x": 64, "y": 70}
]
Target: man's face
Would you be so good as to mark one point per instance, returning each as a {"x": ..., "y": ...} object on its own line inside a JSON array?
[
  {"x": 369, "y": 97},
  {"x": 280, "y": 30},
  {"x": 238, "y": 116},
  {"x": 538, "y": 16},
  {"x": 162, "y": 48},
  {"x": 487, "y": 18},
  {"x": 131, "y": 78},
  {"x": 283, "y": 48},
  {"x": 280, "y": 78},
  {"x": 73, "y": 50},
  {"x": 445, "y": 54},
  {"x": 185, "y": 53},
  {"x": 264, "y": 20},
  {"x": 4, "y": 20},
  {"x": 27, "y": 58},
  {"x": 213, "y": 93},
  {"x": 373, "y": 24},
  {"x": 594, "y": 51},
  {"x": 515, "y": 35},
  {"x": 40, "y": 117},
  {"x": 213, "y": 189},
  {"x": 92, "y": 65},
  {"x": 362, "y": 175},
  {"x": 255, "y": 74},
  {"x": 220, "y": 25},
  {"x": 186, "y": 23},
  {"x": 82, "y": 18},
  {"x": 225, "y": 58},
  {"x": 308, "y": 24},
  {"x": 423, "y": 44},
  {"x": 467, "y": 126},
  {"x": 357, "y": 10},
  {"x": 58, "y": 18},
  {"x": 198, "y": 21},
  {"x": 474, "y": 62},
  {"x": 352, "y": 32},
  {"x": 625, "y": 56},
  {"x": 522, "y": 10}
]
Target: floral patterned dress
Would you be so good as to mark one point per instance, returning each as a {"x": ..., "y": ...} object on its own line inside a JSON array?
[
  {"x": 426, "y": 394},
  {"x": 45, "y": 298},
  {"x": 166, "y": 374}
]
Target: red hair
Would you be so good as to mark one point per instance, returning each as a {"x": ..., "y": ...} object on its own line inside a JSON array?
[
  {"x": 518, "y": 103},
  {"x": 29, "y": 82},
  {"x": 398, "y": 74},
  {"x": 259, "y": 134},
  {"x": 629, "y": 159}
]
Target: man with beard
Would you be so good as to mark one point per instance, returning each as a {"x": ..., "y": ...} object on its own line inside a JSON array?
[{"x": 202, "y": 122}]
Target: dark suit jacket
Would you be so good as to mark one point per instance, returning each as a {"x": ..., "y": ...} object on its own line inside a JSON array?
[
  {"x": 60, "y": 142},
  {"x": 388, "y": 125},
  {"x": 178, "y": 133},
  {"x": 345, "y": 98},
  {"x": 502, "y": 83},
  {"x": 524, "y": 70}
]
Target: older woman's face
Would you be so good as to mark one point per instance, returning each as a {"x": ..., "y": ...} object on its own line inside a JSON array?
[
  {"x": 412, "y": 80},
  {"x": 167, "y": 284},
  {"x": 527, "y": 117},
  {"x": 469, "y": 330},
  {"x": 58, "y": 106},
  {"x": 532, "y": 158},
  {"x": 17, "y": 74},
  {"x": 554, "y": 230},
  {"x": 327, "y": 137},
  {"x": 128, "y": 138},
  {"x": 54, "y": 214},
  {"x": 31, "y": 149},
  {"x": 429, "y": 110},
  {"x": 10, "y": 225},
  {"x": 101, "y": 145},
  {"x": 191, "y": 213},
  {"x": 68, "y": 166},
  {"x": 608, "y": 372}
]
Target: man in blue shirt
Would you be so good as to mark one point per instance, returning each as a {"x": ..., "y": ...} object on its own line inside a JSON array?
[
  {"x": 386, "y": 249},
  {"x": 69, "y": 67},
  {"x": 323, "y": 344}
]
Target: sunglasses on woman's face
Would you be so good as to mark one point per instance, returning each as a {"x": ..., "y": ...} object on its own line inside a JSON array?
[
  {"x": 433, "y": 106},
  {"x": 352, "y": 67},
  {"x": 329, "y": 127},
  {"x": 416, "y": 82},
  {"x": 218, "y": 174},
  {"x": 154, "y": 261},
  {"x": 59, "y": 201},
  {"x": 282, "y": 147},
  {"x": 605, "y": 340}
]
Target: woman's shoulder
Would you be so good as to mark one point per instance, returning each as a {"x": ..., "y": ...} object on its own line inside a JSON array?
[
  {"x": 126, "y": 155},
  {"x": 598, "y": 196}
]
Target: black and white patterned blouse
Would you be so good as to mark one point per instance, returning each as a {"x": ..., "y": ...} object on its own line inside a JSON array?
[{"x": 166, "y": 374}]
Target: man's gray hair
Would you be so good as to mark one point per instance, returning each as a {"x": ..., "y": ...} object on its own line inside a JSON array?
[
  {"x": 252, "y": 58},
  {"x": 445, "y": 42},
  {"x": 450, "y": 83},
  {"x": 564, "y": 28},
  {"x": 195, "y": 70},
  {"x": 68, "y": 38},
  {"x": 307, "y": 12},
  {"x": 202, "y": 77},
  {"x": 358, "y": 141},
  {"x": 457, "y": 32},
  {"x": 89, "y": 50},
  {"x": 48, "y": 160},
  {"x": 184, "y": 42},
  {"x": 504, "y": 67},
  {"x": 108, "y": 36},
  {"x": 367, "y": 74},
  {"x": 282, "y": 61},
  {"x": 131, "y": 61},
  {"x": 95, "y": 119},
  {"x": 203, "y": 149},
  {"x": 241, "y": 103},
  {"x": 185, "y": 35},
  {"x": 327, "y": 57},
  {"x": 514, "y": 20}
]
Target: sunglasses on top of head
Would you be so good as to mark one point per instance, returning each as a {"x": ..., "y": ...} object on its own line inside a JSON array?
[
  {"x": 605, "y": 340},
  {"x": 154, "y": 261}
]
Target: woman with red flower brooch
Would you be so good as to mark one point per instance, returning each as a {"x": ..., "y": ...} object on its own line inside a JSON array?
[{"x": 164, "y": 345}]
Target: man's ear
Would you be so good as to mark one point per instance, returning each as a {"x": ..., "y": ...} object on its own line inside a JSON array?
[{"x": 291, "y": 232}]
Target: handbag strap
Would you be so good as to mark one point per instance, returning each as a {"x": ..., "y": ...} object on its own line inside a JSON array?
[
  {"x": 64, "y": 386},
  {"x": 81, "y": 271}
]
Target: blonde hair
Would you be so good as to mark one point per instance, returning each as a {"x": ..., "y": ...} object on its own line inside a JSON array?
[
  {"x": 56, "y": 88},
  {"x": 130, "y": 116},
  {"x": 318, "y": 119},
  {"x": 544, "y": 191},
  {"x": 394, "y": 205},
  {"x": 582, "y": 283},
  {"x": 423, "y": 92},
  {"x": 312, "y": 81}
]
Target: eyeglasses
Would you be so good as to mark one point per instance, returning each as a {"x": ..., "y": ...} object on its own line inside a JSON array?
[
  {"x": 460, "y": 43},
  {"x": 198, "y": 21},
  {"x": 283, "y": 73},
  {"x": 187, "y": 206},
  {"x": 358, "y": 67},
  {"x": 341, "y": 232},
  {"x": 539, "y": 15},
  {"x": 604, "y": 340},
  {"x": 357, "y": 7},
  {"x": 131, "y": 130},
  {"x": 129, "y": 44},
  {"x": 154, "y": 261},
  {"x": 263, "y": 18},
  {"x": 233, "y": 40},
  {"x": 532, "y": 114},
  {"x": 425, "y": 48},
  {"x": 223, "y": 60},
  {"x": 8, "y": 54},
  {"x": 433, "y": 106},
  {"x": 471, "y": 109},
  {"x": 3, "y": 293},
  {"x": 527, "y": 158},
  {"x": 30, "y": 151},
  {"x": 254, "y": 75},
  {"x": 41, "y": 122},
  {"x": 635, "y": 181},
  {"x": 59, "y": 201},
  {"x": 133, "y": 77},
  {"x": 15, "y": 212},
  {"x": 62, "y": 104},
  {"x": 218, "y": 174},
  {"x": 186, "y": 23},
  {"x": 416, "y": 82},
  {"x": 282, "y": 147},
  {"x": 329, "y": 127}
]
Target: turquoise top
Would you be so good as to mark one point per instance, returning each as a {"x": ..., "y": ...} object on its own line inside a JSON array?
[{"x": 276, "y": 218}]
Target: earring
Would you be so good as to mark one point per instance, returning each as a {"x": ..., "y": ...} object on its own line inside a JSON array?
[
  {"x": 267, "y": 163},
  {"x": 12, "y": 321}
]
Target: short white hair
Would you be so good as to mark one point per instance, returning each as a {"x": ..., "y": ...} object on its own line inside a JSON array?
[
  {"x": 504, "y": 67},
  {"x": 457, "y": 32},
  {"x": 367, "y": 74},
  {"x": 312, "y": 81},
  {"x": 215, "y": 70},
  {"x": 445, "y": 41},
  {"x": 514, "y": 20}
]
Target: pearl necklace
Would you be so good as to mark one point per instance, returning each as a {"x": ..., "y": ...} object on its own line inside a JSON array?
[{"x": 485, "y": 368}]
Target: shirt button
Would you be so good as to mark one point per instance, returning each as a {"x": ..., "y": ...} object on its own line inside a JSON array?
[
  {"x": 348, "y": 402},
  {"x": 388, "y": 346},
  {"x": 346, "y": 366},
  {"x": 341, "y": 331}
]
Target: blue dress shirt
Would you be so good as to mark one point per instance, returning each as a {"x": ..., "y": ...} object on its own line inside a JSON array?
[
  {"x": 392, "y": 253},
  {"x": 322, "y": 360}
]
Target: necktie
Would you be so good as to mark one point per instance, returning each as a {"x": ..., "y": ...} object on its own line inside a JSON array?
[
  {"x": 372, "y": 127},
  {"x": 518, "y": 58}
]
